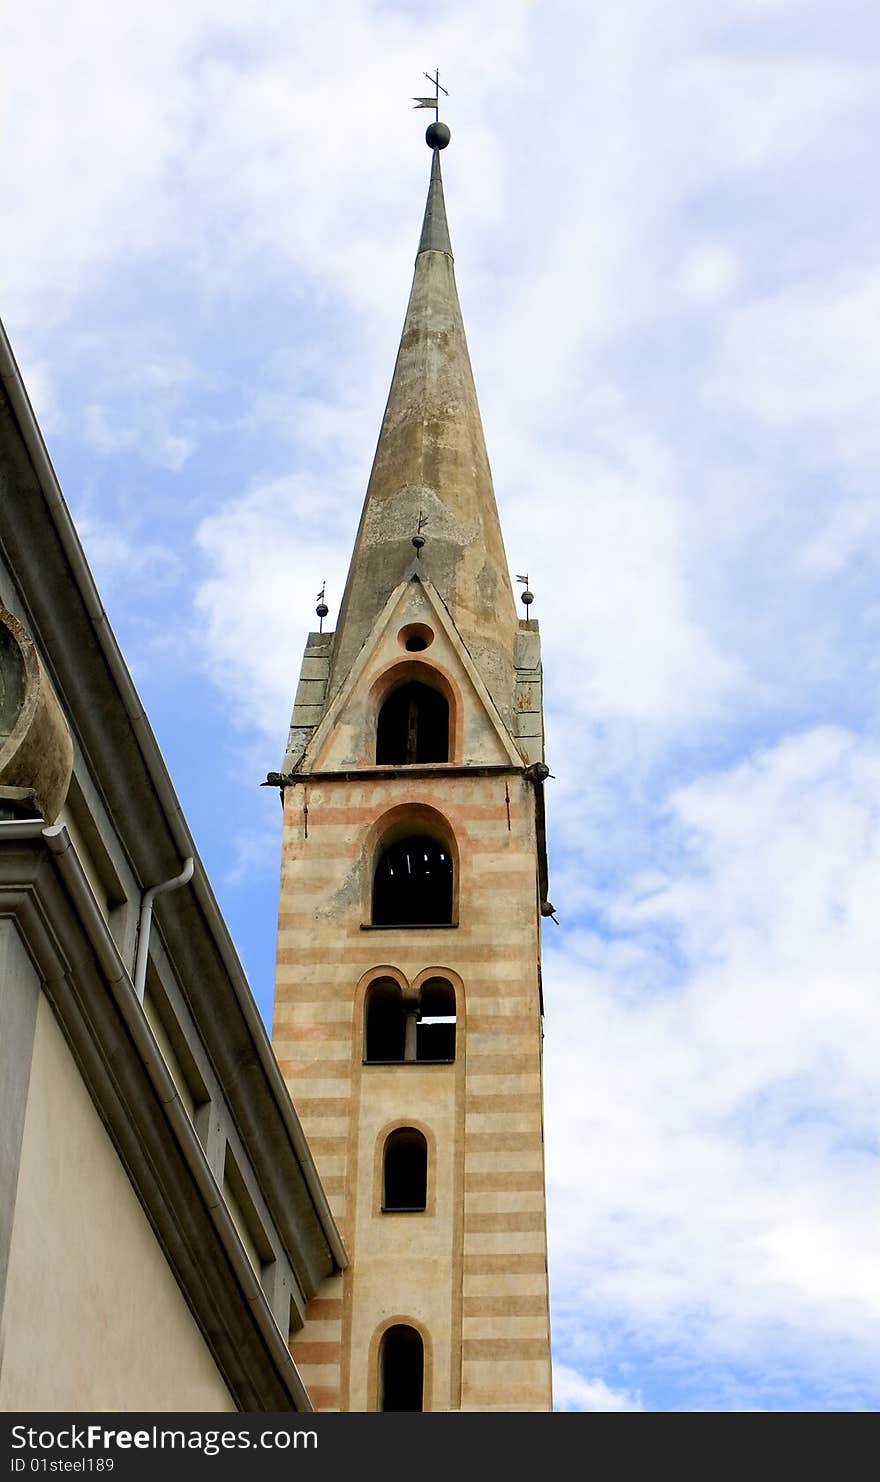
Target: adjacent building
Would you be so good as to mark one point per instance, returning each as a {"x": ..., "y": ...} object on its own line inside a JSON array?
[{"x": 162, "y": 1224}]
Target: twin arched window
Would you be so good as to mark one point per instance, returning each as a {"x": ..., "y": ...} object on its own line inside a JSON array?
[{"x": 421, "y": 1031}]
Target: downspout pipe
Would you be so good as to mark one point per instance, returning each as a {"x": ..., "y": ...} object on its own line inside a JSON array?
[{"x": 146, "y": 920}]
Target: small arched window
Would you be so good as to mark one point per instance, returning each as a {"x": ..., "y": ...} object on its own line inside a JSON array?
[
  {"x": 413, "y": 726},
  {"x": 401, "y": 1369},
  {"x": 435, "y": 1036},
  {"x": 405, "y": 1171},
  {"x": 412, "y": 884},
  {"x": 384, "y": 1022}
]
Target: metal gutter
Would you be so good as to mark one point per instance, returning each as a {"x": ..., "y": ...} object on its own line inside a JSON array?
[{"x": 33, "y": 439}]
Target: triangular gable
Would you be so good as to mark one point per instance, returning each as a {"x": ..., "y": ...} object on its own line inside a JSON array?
[{"x": 345, "y": 736}]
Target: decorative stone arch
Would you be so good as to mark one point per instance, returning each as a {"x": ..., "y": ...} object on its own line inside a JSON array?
[
  {"x": 373, "y": 1376},
  {"x": 411, "y": 819},
  {"x": 400, "y": 1124},
  {"x": 419, "y": 671}
]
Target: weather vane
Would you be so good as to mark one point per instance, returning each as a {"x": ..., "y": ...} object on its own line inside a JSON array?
[
  {"x": 526, "y": 597},
  {"x": 438, "y": 89}
]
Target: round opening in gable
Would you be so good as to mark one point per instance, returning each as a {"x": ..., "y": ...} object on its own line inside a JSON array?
[{"x": 415, "y": 637}]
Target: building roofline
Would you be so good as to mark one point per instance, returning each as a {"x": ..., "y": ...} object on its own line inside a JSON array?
[{"x": 180, "y": 838}]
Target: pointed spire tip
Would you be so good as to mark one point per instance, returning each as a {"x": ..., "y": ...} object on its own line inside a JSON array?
[{"x": 435, "y": 231}]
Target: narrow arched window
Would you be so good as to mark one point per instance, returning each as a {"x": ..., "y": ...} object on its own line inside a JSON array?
[
  {"x": 384, "y": 1022},
  {"x": 413, "y": 726},
  {"x": 435, "y": 1036},
  {"x": 401, "y": 1369},
  {"x": 412, "y": 885},
  {"x": 405, "y": 1171}
]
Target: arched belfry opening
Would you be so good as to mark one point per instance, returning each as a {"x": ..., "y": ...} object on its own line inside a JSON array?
[
  {"x": 413, "y": 726},
  {"x": 404, "y": 1171},
  {"x": 401, "y": 1369},
  {"x": 413, "y": 883}
]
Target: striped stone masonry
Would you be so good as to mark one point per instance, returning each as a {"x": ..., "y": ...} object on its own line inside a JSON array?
[{"x": 470, "y": 1272}]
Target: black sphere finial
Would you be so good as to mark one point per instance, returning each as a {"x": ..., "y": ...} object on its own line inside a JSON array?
[{"x": 437, "y": 135}]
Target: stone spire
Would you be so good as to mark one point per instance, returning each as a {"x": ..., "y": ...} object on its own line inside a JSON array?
[{"x": 431, "y": 461}]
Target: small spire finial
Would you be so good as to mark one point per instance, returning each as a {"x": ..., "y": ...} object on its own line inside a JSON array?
[
  {"x": 322, "y": 609},
  {"x": 418, "y": 539},
  {"x": 526, "y": 597},
  {"x": 437, "y": 134}
]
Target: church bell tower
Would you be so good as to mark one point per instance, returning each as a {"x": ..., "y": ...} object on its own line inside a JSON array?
[{"x": 408, "y": 995}]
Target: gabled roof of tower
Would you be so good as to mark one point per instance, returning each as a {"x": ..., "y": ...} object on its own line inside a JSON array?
[
  {"x": 497, "y": 746},
  {"x": 431, "y": 462}
]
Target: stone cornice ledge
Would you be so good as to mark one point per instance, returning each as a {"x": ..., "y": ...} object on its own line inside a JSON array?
[{"x": 43, "y": 887}]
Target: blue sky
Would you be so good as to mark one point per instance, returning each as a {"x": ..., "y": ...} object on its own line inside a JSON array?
[{"x": 665, "y": 227}]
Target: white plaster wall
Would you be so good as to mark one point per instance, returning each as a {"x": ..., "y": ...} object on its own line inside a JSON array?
[{"x": 93, "y": 1318}]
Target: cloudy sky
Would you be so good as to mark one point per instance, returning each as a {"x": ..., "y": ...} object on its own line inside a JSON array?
[{"x": 665, "y": 222}]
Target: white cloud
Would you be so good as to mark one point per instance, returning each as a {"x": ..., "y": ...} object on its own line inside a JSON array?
[
  {"x": 710, "y": 273},
  {"x": 269, "y": 553},
  {"x": 799, "y": 360},
  {"x": 712, "y": 1073},
  {"x": 616, "y": 570},
  {"x": 571, "y": 1391},
  {"x": 120, "y": 558}
]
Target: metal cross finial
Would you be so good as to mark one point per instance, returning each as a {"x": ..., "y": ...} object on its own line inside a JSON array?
[{"x": 438, "y": 89}]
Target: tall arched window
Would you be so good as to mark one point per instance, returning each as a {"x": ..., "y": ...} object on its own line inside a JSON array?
[
  {"x": 412, "y": 884},
  {"x": 401, "y": 1369},
  {"x": 413, "y": 726},
  {"x": 435, "y": 1036},
  {"x": 384, "y": 1022},
  {"x": 404, "y": 1171}
]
